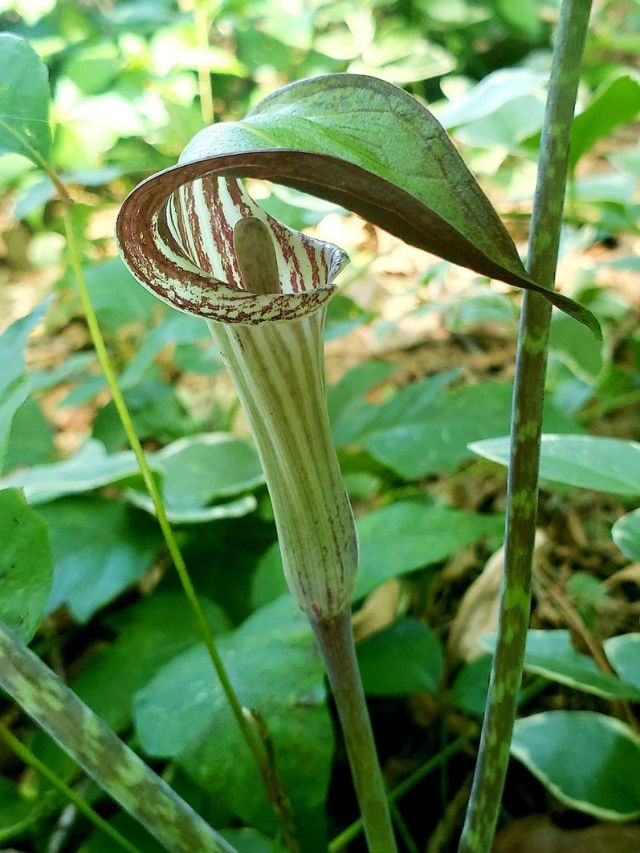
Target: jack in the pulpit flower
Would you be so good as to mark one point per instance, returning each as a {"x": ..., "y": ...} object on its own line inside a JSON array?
[
  {"x": 208, "y": 249},
  {"x": 193, "y": 236}
]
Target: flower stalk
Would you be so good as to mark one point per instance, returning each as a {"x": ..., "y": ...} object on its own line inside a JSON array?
[{"x": 208, "y": 249}]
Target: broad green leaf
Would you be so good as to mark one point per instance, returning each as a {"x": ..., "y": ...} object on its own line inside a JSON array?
[
  {"x": 31, "y": 437},
  {"x": 421, "y": 432},
  {"x": 115, "y": 297},
  {"x": 273, "y": 663},
  {"x": 616, "y": 102},
  {"x": 551, "y": 654},
  {"x": 200, "y": 469},
  {"x": 491, "y": 94},
  {"x": 197, "y": 514},
  {"x": 403, "y": 658},
  {"x": 471, "y": 685},
  {"x": 349, "y": 412},
  {"x": 590, "y": 762},
  {"x": 410, "y": 535},
  {"x": 576, "y": 349},
  {"x": 361, "y": 143},
  {"x": 623, "y": 653},
  {"x": 585, "y": 461},
  {"x": 25, "y": 565},
  {"x": 24, "y": 101},
  {"x": 507, "y": 127},
  {"x": 150, "y": 634},
  {"x": 399, "y": 538},
  {"x": 156, "y": 409},
  {"x": 100, "y": 547},
  {"x": 14, "y": 381},
  {"x": 90, "y": 468},
  {"x": 626, "y": 535}
]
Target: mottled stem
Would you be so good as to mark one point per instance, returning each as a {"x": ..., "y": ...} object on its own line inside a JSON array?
[
  {"x": 101, "y": 753},
  {"x": 335, "y": 639},
  {"x": 526, "y": 426}
]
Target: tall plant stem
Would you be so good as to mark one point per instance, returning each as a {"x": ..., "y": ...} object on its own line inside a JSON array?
[
  {"x": 526, "y": 427},
  {"x": 335, "y": 639},
  {"x": 202, "y": 22},
  {"x": 276, "y": 796},
  {"x": 99, "y": 751}
]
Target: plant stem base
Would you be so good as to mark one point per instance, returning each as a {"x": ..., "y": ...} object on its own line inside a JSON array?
[{"x": 334, "y": 636}]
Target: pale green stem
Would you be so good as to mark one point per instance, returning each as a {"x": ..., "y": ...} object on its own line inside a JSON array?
[
  {"x": 277, "y": 368},
  {"x": 202, "y": 23},
  {"x": 275, "y": 795},
  {"x": 351, "y": 832},
  {"x": 90, "y": 742},
  {"x": 526, "y": 426},
  {"x": 335, "y": 639},
  {"x": 78, "y": 801}
]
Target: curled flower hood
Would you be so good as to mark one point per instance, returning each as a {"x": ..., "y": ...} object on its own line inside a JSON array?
[{"x": 176, "y": 235}]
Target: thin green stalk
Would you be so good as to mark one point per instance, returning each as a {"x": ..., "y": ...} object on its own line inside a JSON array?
[
  {"x": 353, "y": 831},
  {"x": 101, "y": 753},
  {"x": 526, "y": 426},
  {"x": 335, "y": 639},
  {"x": 276, "y": 796},
  {"x": 79, "y": 802},
  {"x": 201, "y": 21}
]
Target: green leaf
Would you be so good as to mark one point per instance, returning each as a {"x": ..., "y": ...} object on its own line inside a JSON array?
[
  {"x": 100, "y": 547},
  {"x": 197, "y": 514},
  {"x": 24, "y": 101},
  {"x": 616, "y": 102},
  {"x": 623, "y": 653},
  {"x": 349, "y": 412},
  {"x": 90, "y": 468},
  {"x": 423, "y": 431},
  {"x": 31, "y": 438},
  {"x": 361, "y": 143},
  {"x": 626, "y": 535},
  {"x": 14, "y": 381},
  {"x": 551, "y": 654},
  {"x": 403, "y": 658},
  {"x": 410, "y": 535},
  {"x": 471, "y": 685},
  {"x": 156, "y": 410},
  {"x": 273, "y": 664},
  {"x": 115, "y": 297},
  {"x": 585, "y": 461},
  {"x": 150, "y": 634},
  {"x": 590, "y": 762},
  {"x": 25, "y": 565},
  {"x": 200, "y": 469}
]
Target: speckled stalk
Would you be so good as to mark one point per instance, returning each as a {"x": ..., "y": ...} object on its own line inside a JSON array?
[
  {"x": 526, "y": 425},
  {"x": 110, "y": 762}
]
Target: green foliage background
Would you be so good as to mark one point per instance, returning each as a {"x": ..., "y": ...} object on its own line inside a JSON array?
[{"x": 124, "y": 83}]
